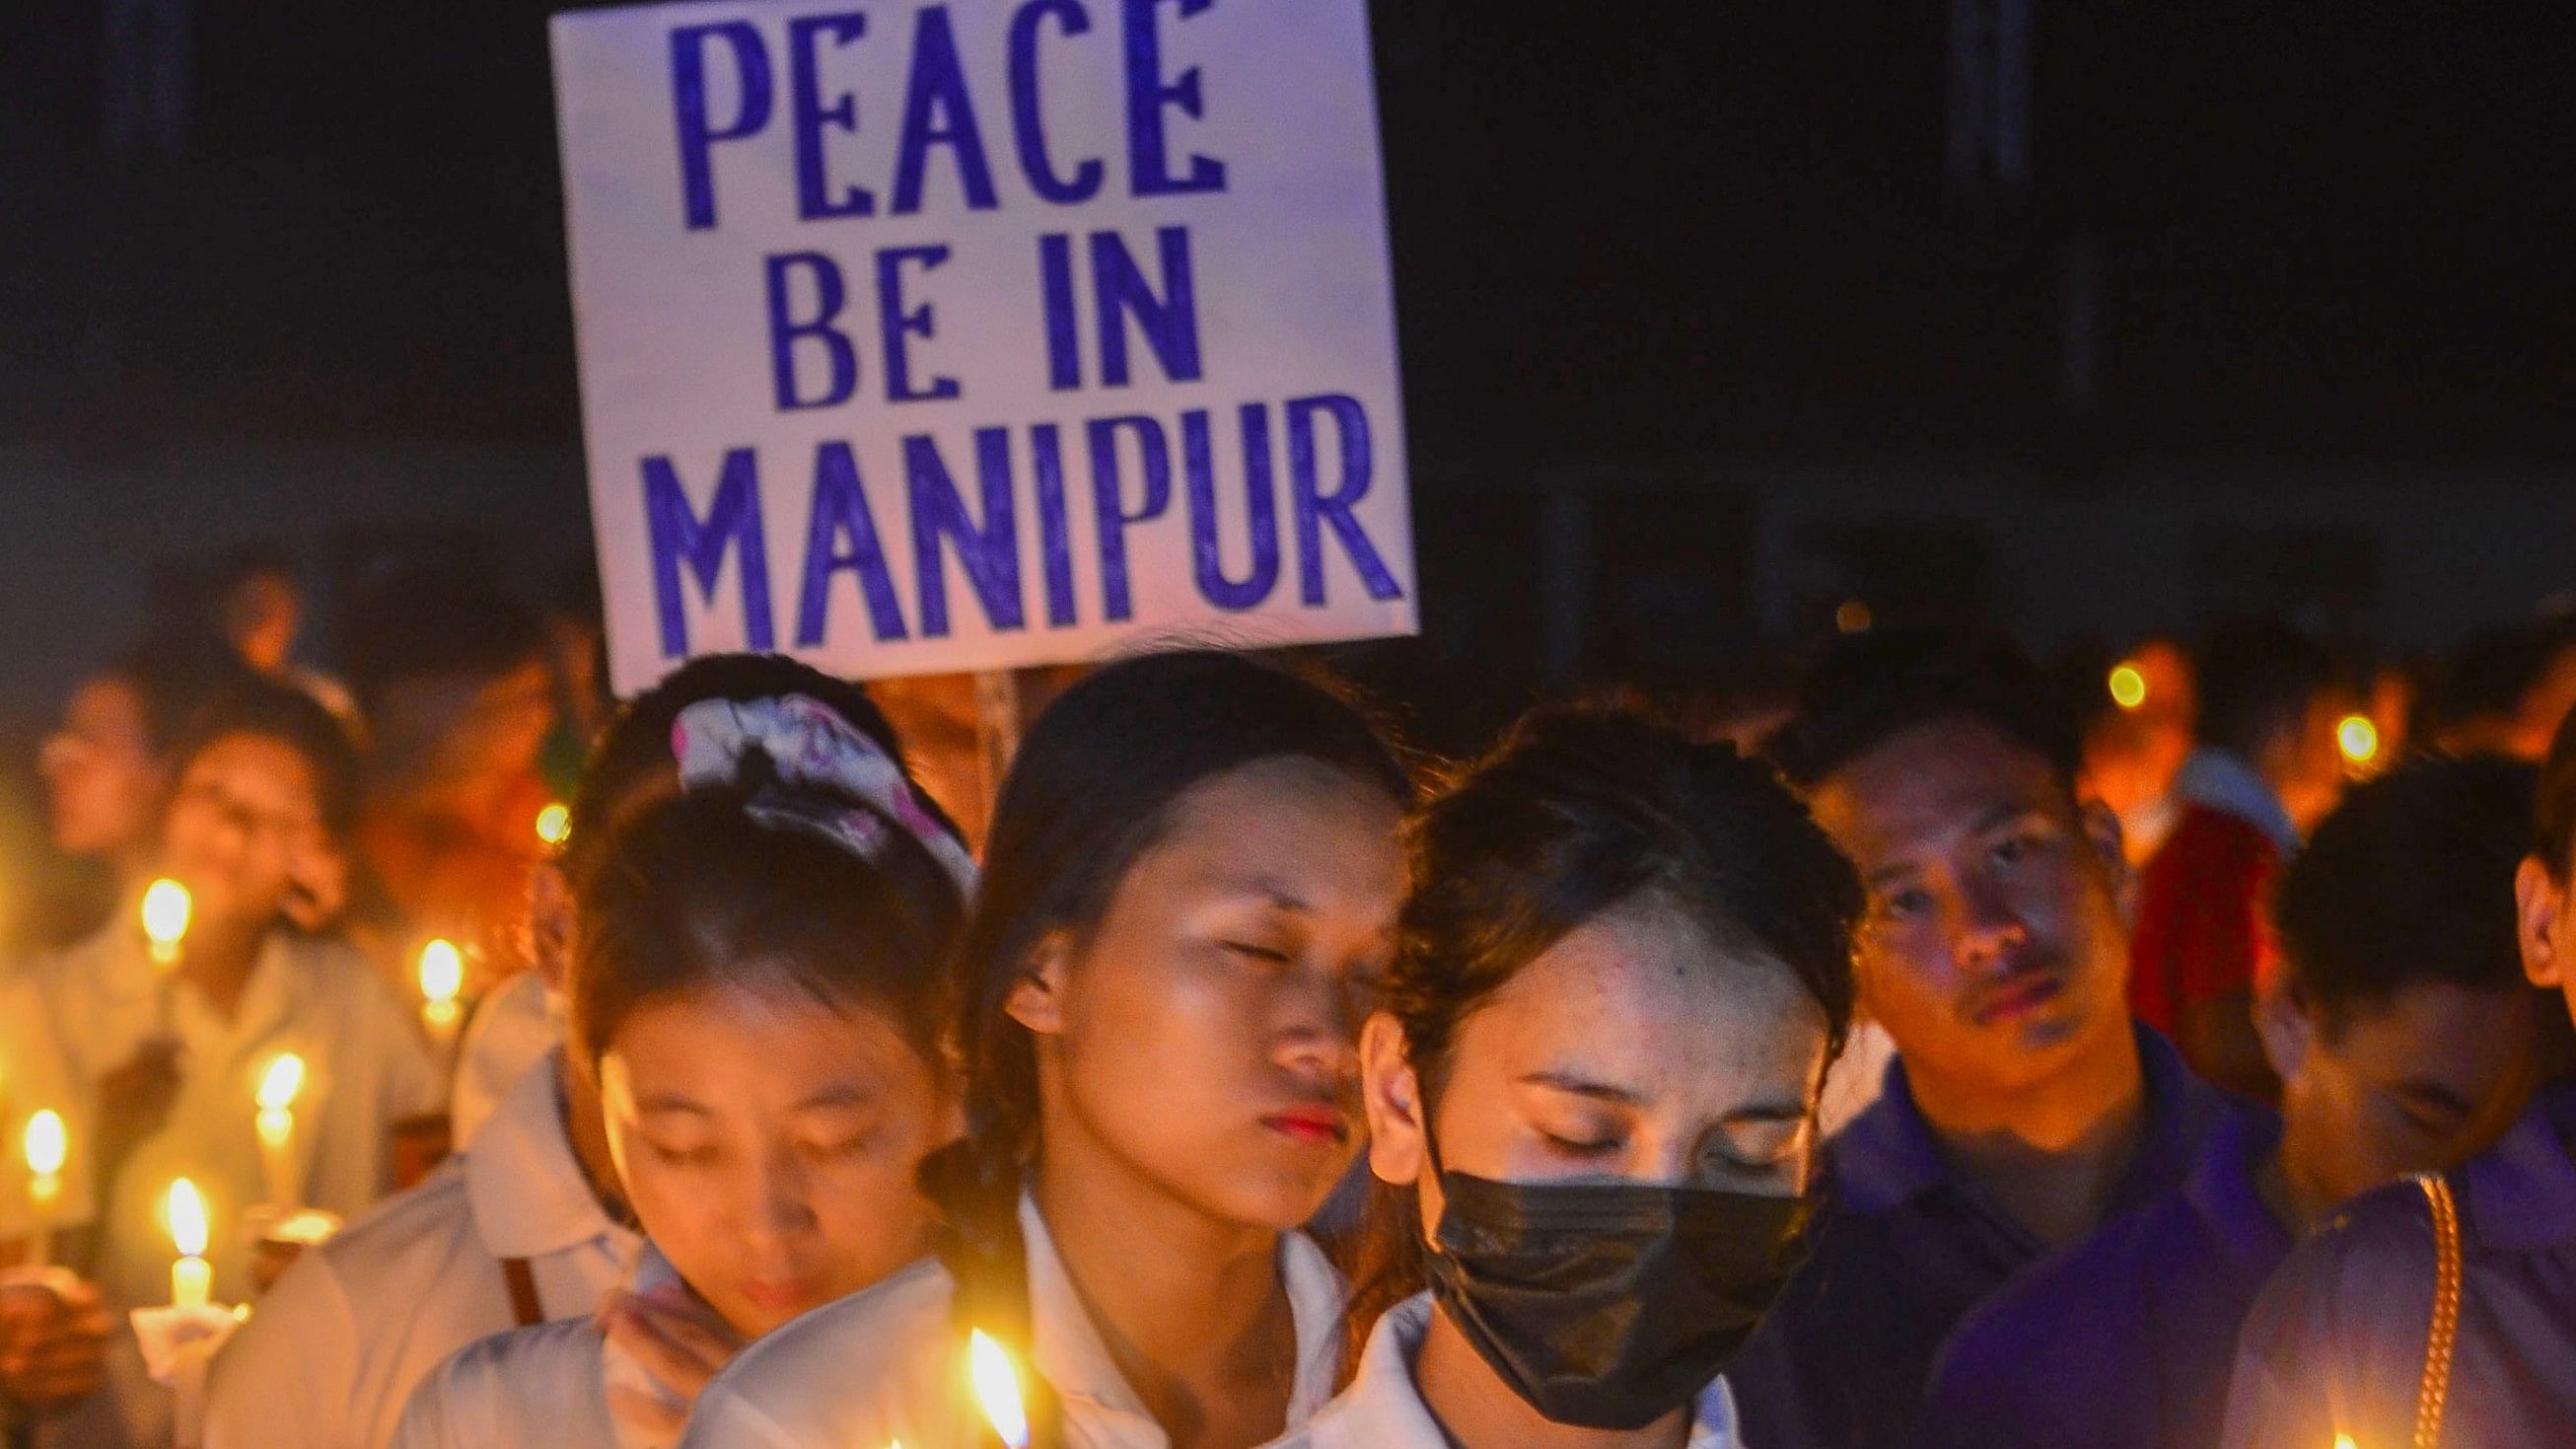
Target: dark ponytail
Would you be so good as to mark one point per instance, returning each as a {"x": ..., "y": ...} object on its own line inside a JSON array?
[
  {"x": 1091, "y": 790},
  {"x": 1575, "y": 813}
]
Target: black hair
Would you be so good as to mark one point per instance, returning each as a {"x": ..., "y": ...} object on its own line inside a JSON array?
[
  {"x": 434, "y": 622},
  {"x": 2553, "y": 834},
  {"x": 700, "y": 889},
  {"x": 1869, "y": 688},
  {"x": 1574, "y": 814},
  {"x": 174, "y": 679},
  {"x": 2491, "y": 674},
  {"x": 2257, "y": 681},
  {"x": 2410, "y": 880},
  {"x": 631, "y": 763},
  {"x": 1093, "y": 787},
  {"x": 289, "y": 716}
]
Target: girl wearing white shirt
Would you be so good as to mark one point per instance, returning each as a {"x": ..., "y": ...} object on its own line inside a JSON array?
[
  {"x": 524, "y": 1227},
  {"x": 1591, "y": 1092},
  {"x": 755, "y": 989},
  {"x": 1191, "y": 880}
]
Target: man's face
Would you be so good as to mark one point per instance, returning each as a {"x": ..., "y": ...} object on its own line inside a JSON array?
[
  {"x": 2412, "y": 1084},
  {"x": 1995, "y": 951}
]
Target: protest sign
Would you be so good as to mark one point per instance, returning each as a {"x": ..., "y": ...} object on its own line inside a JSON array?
[{"x": 920, "y": 337}]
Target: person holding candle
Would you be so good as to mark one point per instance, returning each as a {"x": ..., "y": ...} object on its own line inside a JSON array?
[
  {"x": 529, "y": 1223},
  {"x": 1190, "y": 887},
  {"x": 756, "y": 992},
  {"x": 256, "y": 831},
  {"x": 1591, "y": 1089},
  {"x": 2403, "y": 1033},
  {"x": 2025, "y": 1107},
  {"x": 2342, "y": 1340}
]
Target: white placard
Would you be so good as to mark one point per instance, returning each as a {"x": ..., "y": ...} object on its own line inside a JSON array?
[{"x": 920, "y": 337}]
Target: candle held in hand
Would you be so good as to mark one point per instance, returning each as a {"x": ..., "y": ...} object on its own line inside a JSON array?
[
  {"x": 997, "y": 1389},
  {"x": 276, "y": 1123},
  {"x": 47, "y": 1145},
  {"x": 191, "y": 1279}
]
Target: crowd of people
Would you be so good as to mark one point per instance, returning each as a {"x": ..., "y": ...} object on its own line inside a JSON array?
[{"x": 2169, "y": 1049}]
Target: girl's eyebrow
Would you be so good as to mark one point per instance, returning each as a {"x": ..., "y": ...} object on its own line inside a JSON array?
[
  {"x": 663, "y": 1102},
  {"x": 1584, "y": 1087}
]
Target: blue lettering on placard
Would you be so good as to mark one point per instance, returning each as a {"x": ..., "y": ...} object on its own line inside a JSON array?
[
  {"x": 938, "y": 112},
  {"x": 1316, "y": 508},
  {"x": 1148, "y": 95},
  {"x": 1055, "y": 532},
  {"x": 814, "y": 198},
  {"x": 1055, "y": 290},
  {"x": 679, "y": 536},
  {"x": 689, "y": 106},
  {"x": 1028, "y": 117},
  {"x": 1170, "y": 322},
  {"x": 1261, "y": 514},
  {"x": 831, "y": 294},
  {"x": 991, "y": 552},
  {"x": 841, "y": 511},
  {"x": 1109, "y": 506},
  {"x": 899, "y": 323}
]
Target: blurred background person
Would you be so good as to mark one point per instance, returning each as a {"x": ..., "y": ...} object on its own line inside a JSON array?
[
  {"x": 2137, "y": 736},
  {"x": 2507, "y": 689},
  {"x": 2267, "y": 768},
  {"x": 451, "y": 671}
]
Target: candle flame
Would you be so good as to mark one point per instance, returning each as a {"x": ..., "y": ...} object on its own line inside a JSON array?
[
  {"x": 442, "y": 972},
  {"x": 2343, "y": 1441},
  {"x": 46, "y": 1143},
  {"x": 2359, "y": 739},
  {"x": 187, "y": 1219},
  {"x": 997, "y": 1388},
  {"x": 2128, "y": 686},
  {"x": 285, "y": 1078},
  {"x": 165, "y": 912},
  {"x": 554, "y": 824}
]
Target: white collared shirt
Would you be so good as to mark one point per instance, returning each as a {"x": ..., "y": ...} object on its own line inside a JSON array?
[
  {"x": 513, "y": 1029},
  {"x": 883, "y": 1365},
  {"x": 539, "y": 1388},
  {"x": 1383, "y": 1409},
  {"x": 337, "y": 1346}
]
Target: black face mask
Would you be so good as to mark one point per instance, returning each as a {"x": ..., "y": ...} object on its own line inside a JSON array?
[{"x": 1608, "y": 1305}]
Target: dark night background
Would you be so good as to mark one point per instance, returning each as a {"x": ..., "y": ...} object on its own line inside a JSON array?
[{"x": 1656, "y": 265}]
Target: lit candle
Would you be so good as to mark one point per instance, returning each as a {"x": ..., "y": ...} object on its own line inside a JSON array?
[
  {"x": 442, "y": 978},
  {"x": 191, "y": 1280},
  {"x": 165, "y": 924},
  {"x": 277, "y": 1128},
  {"x": 997, "y": 1389},
  {"x": 2343, "y": 1441},
  {"x": 165, "y": 919},
  {"x": 191, "y": 1286},
  {"x": 46, "y": 1146},
  {"x": 554, "y": 825}
]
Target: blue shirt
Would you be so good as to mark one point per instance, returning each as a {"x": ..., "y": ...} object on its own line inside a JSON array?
[
  {"x": 1905, "y": 1248},
  {"x": 2336, "y": 1343},
  {"x": 2123, "y": 1341}
]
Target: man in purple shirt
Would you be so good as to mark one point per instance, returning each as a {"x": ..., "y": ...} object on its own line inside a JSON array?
[
  {"x": 2025, "y": 1107},
  {"x": 2338, "y": 1343},
  {"x": 2401, "y": 1028}
]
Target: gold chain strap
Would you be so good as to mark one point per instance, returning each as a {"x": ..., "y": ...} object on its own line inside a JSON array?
[{"x": 2443, "y": 1336}]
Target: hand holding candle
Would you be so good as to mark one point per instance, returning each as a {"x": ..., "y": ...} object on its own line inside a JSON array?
[
  {"x": 46, "y": 1145},
  {"x": 276, "y": 1124}
]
